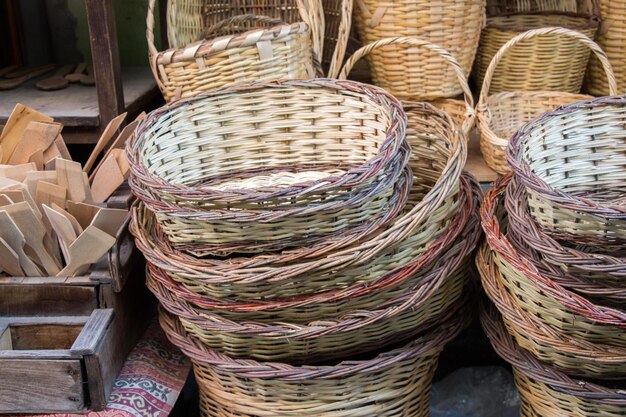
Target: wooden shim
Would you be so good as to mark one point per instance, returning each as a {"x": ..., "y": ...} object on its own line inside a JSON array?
[
  {"x": 108, "y": 178},
  {"x": 37, "y": 137},
  {"x": 104, "y": 140},
  {"x": 17, "y": 172},
  {"x": 70, "y": 176},
  {"x": 20, "y": 117}
]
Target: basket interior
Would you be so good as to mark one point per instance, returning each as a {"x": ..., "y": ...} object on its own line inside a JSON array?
[
  {"x": 582, "y": 152},
  {"x": 271, "y": 136},
  {"x": 524, "y": 22}
]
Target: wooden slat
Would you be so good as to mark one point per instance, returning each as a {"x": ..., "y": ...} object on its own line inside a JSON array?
[
  {"x": 25, "y": 299},
  {"x": 93, "y": 332},
  {"x": 44, "y": 336},
  {"x": 41, "y": 386}
]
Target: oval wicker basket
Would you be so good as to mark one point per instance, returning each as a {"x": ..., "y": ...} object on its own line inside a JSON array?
[
  {"x": 543, "y": 390},
  {"x": 461, "y": 111},
  {"x": 548, "y": 302},
  {"x": 405, "y": 71},
  {"x": 340, "y": 291},
  {"x": 546, "y": 63},
  {"x": 228, "y": 181},
  {"x": 583, "y": 201},
  {"x": 396, "y": 382},
  {"x": 570, "y": 355},
  {"x": 500, "y": 115},
  {"x": 286, "y": 51},
  {"x": 612, "y": 39},
  {"x": 434, "y": 204},
  {"x": 597, "y": 275}
]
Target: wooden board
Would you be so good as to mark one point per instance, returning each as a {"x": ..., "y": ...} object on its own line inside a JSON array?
[
  {"x": 77, "y": 105},
  {"x": 31, "y": 299},
  {"x": 42, "y": 385},
  {"x": 475, "y": 164}
]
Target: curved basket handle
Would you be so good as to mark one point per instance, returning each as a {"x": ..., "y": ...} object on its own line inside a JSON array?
[
  {"x": 242, "y": 18},
  {"x": 343, "y": 36},
  {"x": 152, "y": 50},
  {"x": 606, "y": 65},
  {"x": 312, "y": 14},
  {"x": 447, "y": 56}
]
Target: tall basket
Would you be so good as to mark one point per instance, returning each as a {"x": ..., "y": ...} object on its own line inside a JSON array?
[
  {"x": 405, "y": 71},
  {"x": 500, "y": 115},
  {"x": 612, "y": 38},
  {"x": 460, "y": 110}
]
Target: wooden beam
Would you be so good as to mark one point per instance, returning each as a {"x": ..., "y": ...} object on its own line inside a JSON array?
[{"x": 106, "y": 60}]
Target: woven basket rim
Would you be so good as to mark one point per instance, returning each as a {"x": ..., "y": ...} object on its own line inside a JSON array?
[
  {"x": 527, "y": 177},
  {"x": 587, "y": 21},
  {"x": 501, "y": 299},
  {"x": 499, "y": 243},
  {"x": 432, "y": 339},
  {"x": 225, "y": 42},
  {"x": 395, "y": 137},
  {"x": 446, "y": 265},
  {"x": 504, "y": 344}
]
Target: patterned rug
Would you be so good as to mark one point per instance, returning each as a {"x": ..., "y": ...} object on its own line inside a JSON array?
[{"x": 149, "y": 383}]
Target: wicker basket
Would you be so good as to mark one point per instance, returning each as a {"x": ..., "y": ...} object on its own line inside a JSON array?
[
  {"x": 501, "y": 115},
  {"x": 461, "y": 111},
  {"x": 396, "y": 382},
  {"x": 583, "y": 200},
  {"x": 342, "y": 291},
  {"x": 546, "y": 63},
  {"x": 285, "y": 51},
  {"x": 338, "y": 25},
  {"x": 548, "y": 302},
  {"x": 612, "y": 38},
  {"x": 407, "y": 72},
  {"x": 597, "y": 275},
  {"x": 429, "y": 221},
  {"x": 543, "y": 390},
  {"x": 570, "y": 355},
  {"x": 228, "y": 181},
  {"x": 505, "y": 7}
]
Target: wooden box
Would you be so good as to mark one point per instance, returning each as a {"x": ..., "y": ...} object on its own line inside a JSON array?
[{"x": 55, "y": 364}]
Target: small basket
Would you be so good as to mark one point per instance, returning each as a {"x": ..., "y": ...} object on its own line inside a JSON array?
[
  {"x": 395, "y": 382},
  {"x": 548, "y": 302},
  {"x": 285, "y": 51},
  {"x": 229, "y": 180},
  {"x": 461, "y": 111},
  {"x": 599, "y": 276},
  {"x": 545, "y": 391},
  {"x": 570, "y": 355},
  {"x": 501, "y": 115},
  {"x": 408, "y": 72},
  {"x": 546, "y": 63},
  {"x": 612, "y": 39},
  {"x": 582, "y": 200},
  {"x": 427, "y": 223}
]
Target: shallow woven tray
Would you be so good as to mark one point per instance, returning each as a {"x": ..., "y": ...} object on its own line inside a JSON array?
[
  {"x": 237, "y": 173},
  {"x": 396, "y": 382},
  {"x": 439, "y": 154},
  {"x": 500, "y": 115},
  {"x": 409, "y": 73},
  {"x": 570, "y": 355},
  {"x": 545, "y": 391},
  {"x": 550, "y": 303},
  {"x": 572, "y": 164}
]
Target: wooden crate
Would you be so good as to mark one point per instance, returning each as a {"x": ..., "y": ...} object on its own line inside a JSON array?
[
  {"x": 55, "y": 364},
  {"x": 113, "y": 292}
]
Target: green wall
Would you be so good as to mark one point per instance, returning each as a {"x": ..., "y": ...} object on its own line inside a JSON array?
[{"x": 130, "y": 18}]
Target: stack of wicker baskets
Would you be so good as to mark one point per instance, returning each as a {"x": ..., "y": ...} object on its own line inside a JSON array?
[
  {"x": 554, "y": 260},
  {"x": 306, "y": 237}
]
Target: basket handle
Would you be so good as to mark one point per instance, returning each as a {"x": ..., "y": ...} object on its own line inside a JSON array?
[
  {"x": 152, "y": 50},
  {"x": 343, "y": 36},
  {"x": 447, "y": 56},
  {"x": 235, "y": 20},
  {"x": 606, "y": 65}
]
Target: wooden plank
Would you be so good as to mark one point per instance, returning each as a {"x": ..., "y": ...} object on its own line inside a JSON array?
[
  {"x": 106, "y": 60},
  {"x": 5, "y": 338},
  {"x": 475, "y": 164},
  {"x": 93, "y": 332},
  {"x": 77, "y": 106},
  {"x": 41, "y": 386},
  {"x": 30, "y": 299},
  {"x": 44, "y": 336}
]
